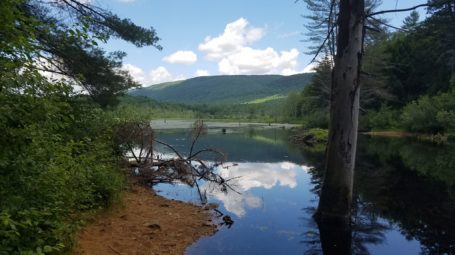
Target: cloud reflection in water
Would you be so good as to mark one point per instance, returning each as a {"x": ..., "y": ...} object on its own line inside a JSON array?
[{"x": 252, "y": 175}]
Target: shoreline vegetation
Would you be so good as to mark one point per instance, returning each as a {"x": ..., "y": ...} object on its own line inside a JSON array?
[
  {"x": 318, "y": 136},
  {"x": 62, "y": 161},
  {"x": 148, "y": 222},
  {"x": 162, "y": 124},
  {"x": 437, "y": 138}
]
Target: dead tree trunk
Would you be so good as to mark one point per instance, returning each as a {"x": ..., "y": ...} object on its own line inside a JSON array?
[{"x": 336, "y": 193}]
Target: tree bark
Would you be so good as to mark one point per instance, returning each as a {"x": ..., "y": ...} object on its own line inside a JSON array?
[{"x": 336, "y": 193}]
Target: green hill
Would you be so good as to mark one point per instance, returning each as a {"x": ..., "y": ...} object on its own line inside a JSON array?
[{"x": 227, "y": 89}]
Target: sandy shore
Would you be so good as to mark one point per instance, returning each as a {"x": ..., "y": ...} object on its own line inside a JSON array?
[
  {"x": 184, "y": 124},
  {"x": 147, "y": 224}
]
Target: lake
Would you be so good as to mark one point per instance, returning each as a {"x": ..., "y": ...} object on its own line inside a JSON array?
[{"x": 404, "y": 200}]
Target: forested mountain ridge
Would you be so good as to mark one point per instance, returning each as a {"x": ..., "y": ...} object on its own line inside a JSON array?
[{"x": 225, "y": 89}]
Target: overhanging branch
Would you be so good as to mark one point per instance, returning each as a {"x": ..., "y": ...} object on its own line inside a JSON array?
[{"x": 407, "y": 9}]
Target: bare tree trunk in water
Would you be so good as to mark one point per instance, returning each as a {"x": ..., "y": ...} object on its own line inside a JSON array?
[{"x": 336, "y": 193}]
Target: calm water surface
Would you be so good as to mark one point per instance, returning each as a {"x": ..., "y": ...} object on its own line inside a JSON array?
[{"x": 404, "y": 195}]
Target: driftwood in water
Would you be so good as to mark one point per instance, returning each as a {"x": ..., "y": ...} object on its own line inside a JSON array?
[{"x": 188, "y": 169}]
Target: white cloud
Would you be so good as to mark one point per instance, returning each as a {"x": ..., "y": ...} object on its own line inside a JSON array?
[
  {"x": 136, "y": 72},
  {"x": 155, "y": 76},
  {"x": 181, "y": 57},
  {"x": 201, "y": 72},
  {"x": 159, "y": 75},
  {"x": 233, "y": 51},
  {"x": 259, "y": 61},
  {"x": 236, "y": 35}
]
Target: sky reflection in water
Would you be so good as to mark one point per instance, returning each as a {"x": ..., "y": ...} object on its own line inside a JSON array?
[
  {"x": 247, "y": 176},
  {"x": 278, "y": 185}
]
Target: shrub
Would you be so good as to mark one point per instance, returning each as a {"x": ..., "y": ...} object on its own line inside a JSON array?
[
  {"x": 430, "y": 114},
  {"x": 384, "y": 118},
  {"x": 57, "y": 162}
]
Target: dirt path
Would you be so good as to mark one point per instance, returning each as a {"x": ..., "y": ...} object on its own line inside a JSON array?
[{"x": 148, "y": 224}]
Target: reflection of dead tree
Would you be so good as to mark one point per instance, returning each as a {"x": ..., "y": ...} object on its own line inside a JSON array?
[
  {"x": 364, "y": 229},
  {"x": 191, "y": 169},
  {"x": 136, "y": 138}
]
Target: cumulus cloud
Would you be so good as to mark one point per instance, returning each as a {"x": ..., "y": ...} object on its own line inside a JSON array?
[
  {"x": 259, "y": 61},
  {"x": 201, "y": 72},
  {"x": 181, "y": 57},
  {"x": 155, "y": 76},
  {"x": 233, "y": 51},
  {"x": 136, "y": 72},
  {"x": 160, "y": 74},
  {"x": 236, "y": 35}
]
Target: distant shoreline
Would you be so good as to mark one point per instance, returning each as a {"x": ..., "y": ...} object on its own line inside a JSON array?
[{"x": 185, "y": 124}]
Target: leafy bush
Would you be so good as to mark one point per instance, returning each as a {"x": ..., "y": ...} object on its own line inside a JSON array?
[
  {"x": 57, "y": 161},
  {"x": 420, "y": 116},
  {"x": 430, "y": 114},
  {"x": 384, "y": 118},
  {"x": 316, "y": 119}
]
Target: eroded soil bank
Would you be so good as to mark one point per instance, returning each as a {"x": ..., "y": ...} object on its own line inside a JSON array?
[{"x": 146, "y": 224}]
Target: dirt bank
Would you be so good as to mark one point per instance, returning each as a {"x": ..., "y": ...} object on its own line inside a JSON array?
[{"x": 146, "y": 224}]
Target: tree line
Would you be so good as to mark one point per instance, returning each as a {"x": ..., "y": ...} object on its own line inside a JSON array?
[{"x": 407, "y": 76}]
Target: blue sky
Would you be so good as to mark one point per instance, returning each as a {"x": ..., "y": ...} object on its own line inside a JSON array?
[{"x": 214, "y": 37}]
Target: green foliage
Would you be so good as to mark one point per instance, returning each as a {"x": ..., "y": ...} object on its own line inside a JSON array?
[
  {"x": 142, "y": 108},
  {"x": 405, "y": 78},
  {"x": 311, "y": 106},
  {"x": 61, "y": 37},
  {"x": 383, "y": 119},
  {"x": 265, "y": 99},
  {"x": 411, "y": 21},
  {"x": 430, "y": 114},
  {"x": 420, "y": 60},
  {"x": 218, "y": 90},
  {"x": 320, "y": 134},
  {"x": 57, "y": 160}
]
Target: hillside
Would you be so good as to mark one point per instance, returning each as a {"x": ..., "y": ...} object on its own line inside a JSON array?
[{"x": 232, "y": 89}]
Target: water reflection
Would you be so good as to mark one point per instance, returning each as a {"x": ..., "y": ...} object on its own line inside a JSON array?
[
  {"x": 403, "y": 204},
  {"x": 412, "y": 185},
  {"x": 401, "y": 184},
  {"x": 246, "y": 176}
]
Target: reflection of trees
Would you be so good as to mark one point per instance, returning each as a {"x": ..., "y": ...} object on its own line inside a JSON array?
[
  {"x": 408, "y": 193},
  {"x": 427, "y": 159},
  {"x": 365, "y": 229},
  {"x": 408, "y": 183}
]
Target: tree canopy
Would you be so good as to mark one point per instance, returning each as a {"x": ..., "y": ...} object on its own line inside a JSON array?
[{"x": 62, "y": 37}]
